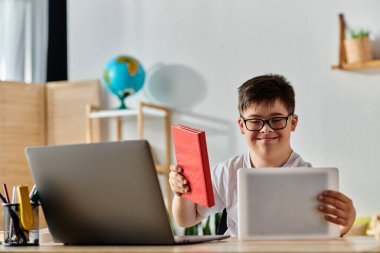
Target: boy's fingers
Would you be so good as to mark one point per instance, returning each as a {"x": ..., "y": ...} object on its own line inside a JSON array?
[
  {"x": 332, "y": 201},
  {"x": 333, "y": 211},
  {"x": 177, "y": 176},
  {"x": 180, "y": 189},
  {"x": 336, "y": 220},
  {"x": 174, "y": 181},
  {"x": 338, "y": 195},
  {"x": 175, "y": 168},
  {"x": 177, "y": 182}
]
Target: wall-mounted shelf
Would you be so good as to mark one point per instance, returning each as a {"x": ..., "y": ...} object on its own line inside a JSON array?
[
  {"x": 124, "y": 113},
  {"x": 358, "y": 65},
  {"x": 343, "y": 65}
]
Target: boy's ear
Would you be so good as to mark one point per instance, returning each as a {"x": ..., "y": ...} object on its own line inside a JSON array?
[
  {"x": 294, "y": 122},
  {"x": 241, "y": 125}
]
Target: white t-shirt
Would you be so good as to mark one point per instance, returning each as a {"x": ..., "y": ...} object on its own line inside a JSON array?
[{"x": 224, "y": 180}]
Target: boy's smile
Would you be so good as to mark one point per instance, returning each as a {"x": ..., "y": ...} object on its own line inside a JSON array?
[
  {"x": 266, "y": 143},
  {"x": 267, "y": 138}
]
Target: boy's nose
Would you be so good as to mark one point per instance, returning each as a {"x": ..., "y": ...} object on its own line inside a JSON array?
[{"x": 266, "y": 128}]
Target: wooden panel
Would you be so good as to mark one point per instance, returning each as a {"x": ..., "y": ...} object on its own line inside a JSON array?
[
  {"x": 22, "y": 123},
  {"x": 22, "y": 117},
  {"x": 66, "y": 111}
]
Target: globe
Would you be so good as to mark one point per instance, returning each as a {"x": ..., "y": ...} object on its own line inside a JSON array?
[{"x": 123, "y": 76}]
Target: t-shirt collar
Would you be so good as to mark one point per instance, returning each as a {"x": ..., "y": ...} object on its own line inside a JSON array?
[{"x": 248, "y": 163}]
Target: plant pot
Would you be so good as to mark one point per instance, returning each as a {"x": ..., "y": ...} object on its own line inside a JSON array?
[{"x": 358, "y": 50}]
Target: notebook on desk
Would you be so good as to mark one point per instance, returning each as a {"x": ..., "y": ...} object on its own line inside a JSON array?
[
  {"x": 103, "y": 193},
  {"x": 281, "y": 203}
]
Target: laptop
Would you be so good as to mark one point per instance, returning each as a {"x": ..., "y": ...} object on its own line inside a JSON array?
[
  {"x": 103, "y": 193},
  {"x": 281, "y": 203}
]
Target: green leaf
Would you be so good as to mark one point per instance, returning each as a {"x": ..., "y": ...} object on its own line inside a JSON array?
[
  {"x": 193, "y": 230},
  {"x": 206, "y": 227},
  {"x": 359, "y": 34},
  {"x": 218, "y": 218}
]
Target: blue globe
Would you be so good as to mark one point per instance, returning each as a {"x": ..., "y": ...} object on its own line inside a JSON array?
[{"x": 123, "y": 76}]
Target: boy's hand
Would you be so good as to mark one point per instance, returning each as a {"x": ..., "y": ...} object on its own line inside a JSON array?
[
  {"x": 178, "y": 183},
  {"x": 338, "y": 209}
]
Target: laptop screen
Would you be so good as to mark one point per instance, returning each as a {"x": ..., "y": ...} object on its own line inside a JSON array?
[{"x": 101, "y": 193}]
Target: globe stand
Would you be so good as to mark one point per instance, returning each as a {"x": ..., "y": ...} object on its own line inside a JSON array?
[{"x": 122, "y": 103}]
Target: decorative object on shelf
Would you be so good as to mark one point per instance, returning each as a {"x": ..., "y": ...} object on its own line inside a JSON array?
[
  {"x": 350, "y": 57},
  {"x": 123, "y": 76},
  {"x": 358, "y": 47}
]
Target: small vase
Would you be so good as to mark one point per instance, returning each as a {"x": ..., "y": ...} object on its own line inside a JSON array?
[{"x": 358, "y": 50}]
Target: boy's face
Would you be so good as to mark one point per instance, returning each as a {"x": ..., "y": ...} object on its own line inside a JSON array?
[{"x": 267, "y": 142}]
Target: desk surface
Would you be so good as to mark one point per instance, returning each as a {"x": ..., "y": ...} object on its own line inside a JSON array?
[{"x": 350, "y": 244}]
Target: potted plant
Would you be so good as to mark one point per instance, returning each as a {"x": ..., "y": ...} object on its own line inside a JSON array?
[
  {"x": 358, "y": 47},
  {"x": 204, "y": 226}
]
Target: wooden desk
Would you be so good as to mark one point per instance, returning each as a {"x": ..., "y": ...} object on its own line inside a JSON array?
[{"x": 350, "y": 244}]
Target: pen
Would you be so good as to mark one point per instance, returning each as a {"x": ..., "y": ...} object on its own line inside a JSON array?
[
  {"x": 14, "y": 196},
  {"x": 34, "y": 197}
]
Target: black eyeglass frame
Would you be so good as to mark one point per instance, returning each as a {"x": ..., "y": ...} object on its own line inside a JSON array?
[{"x": 267, "y": 121}]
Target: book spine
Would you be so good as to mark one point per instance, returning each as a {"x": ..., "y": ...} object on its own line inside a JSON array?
[{"x": 206, "y": 170}]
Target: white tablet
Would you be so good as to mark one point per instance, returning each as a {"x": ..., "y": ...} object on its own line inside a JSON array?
[{"x": 281, "y": 203}]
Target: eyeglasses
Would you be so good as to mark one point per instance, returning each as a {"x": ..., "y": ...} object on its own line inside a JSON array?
[{"x": 276, "y": 123}]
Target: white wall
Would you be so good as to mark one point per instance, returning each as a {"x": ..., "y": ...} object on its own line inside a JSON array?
[{"x": 201, "y": 51}]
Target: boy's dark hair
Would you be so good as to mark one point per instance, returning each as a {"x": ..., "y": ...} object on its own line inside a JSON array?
[{"x": 266, "y": 89}]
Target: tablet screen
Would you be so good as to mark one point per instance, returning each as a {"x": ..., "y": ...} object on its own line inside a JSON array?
[{"x": 281, "y": 203}]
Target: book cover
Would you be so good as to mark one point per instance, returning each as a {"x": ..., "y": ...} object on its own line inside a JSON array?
[{"x": 191, "y": 154}]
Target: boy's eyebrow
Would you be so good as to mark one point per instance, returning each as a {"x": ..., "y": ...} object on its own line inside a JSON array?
[{"x": 270, "y": 115}]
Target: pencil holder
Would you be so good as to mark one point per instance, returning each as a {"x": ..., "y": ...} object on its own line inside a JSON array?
[{"x": 14, "y": 234}]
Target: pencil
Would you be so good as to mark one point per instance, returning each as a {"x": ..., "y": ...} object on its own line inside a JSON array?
[
  {"x": 3, "y": 199},
  {"x": 6, "y": 193},
  {"x": 16, "y": 221}
]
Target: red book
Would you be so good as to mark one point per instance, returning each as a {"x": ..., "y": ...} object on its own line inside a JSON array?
[{"x": 191, "y": 154}]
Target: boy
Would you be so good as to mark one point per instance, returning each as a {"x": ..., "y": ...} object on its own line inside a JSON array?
[{"x": 266, "y": 106}]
